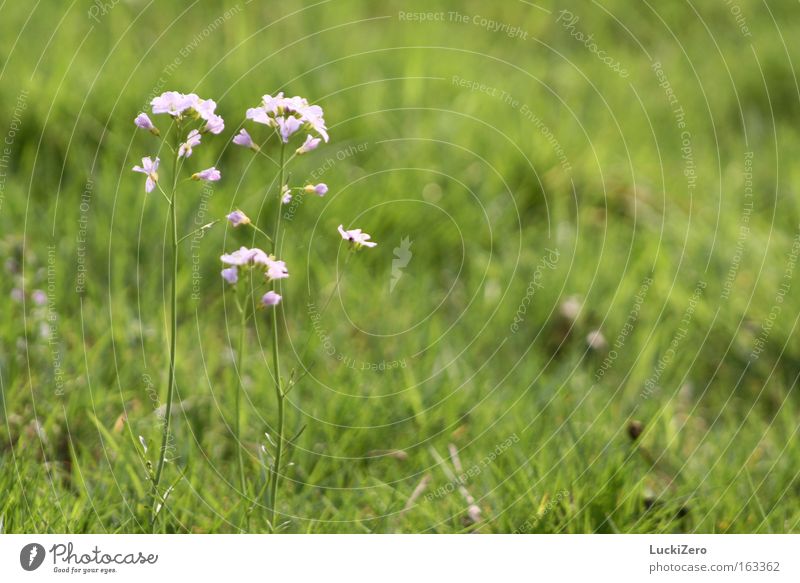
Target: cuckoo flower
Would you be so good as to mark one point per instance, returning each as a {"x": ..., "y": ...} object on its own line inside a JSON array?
[
  {"x": 209, "y": 174},
  {"x": 237, "y": 218},
  {"x": 244, "y": 256},
  {"x": 192, "y": 140},
  {"x": 173, "y": 103},
  {"x": 356, "y": 238},
  {"x": 243, "y": 139},
  {"x": 230, "y": 274},
  {"x": 319, "y": 189},
  {"x": 288, "y": 115},
  {"x": 310, "y": 144},
  {"x": 143, "y": 121},
  {"x": 271, "y": 299},
  {"x": 287, "y": 126},
  {"x": 150, "y": 168},
  {"x": 276, "y": 269},
  {"x": 214, "y": 125}
]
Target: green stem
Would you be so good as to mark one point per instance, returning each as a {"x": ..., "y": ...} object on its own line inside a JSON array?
[
  {"x": 276, "y": 365},
  {"x": 237, "y": 413},
  {"x": 173, "y": 330}
]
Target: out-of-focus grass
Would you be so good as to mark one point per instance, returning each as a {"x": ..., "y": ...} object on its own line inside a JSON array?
[{"x": 471, "y": 177}]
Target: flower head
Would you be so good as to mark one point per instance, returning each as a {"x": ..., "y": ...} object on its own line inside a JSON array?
[
  {"x": 286, "y": 198},
  {"x": 271, "y": 299},
  {"x": 237, "y": 218},
  {"x": 230, "y": 274},
  {"x": 150, "y": 168},
  {"x": 39, "y": 297},
  {"x": 356, "y": 238},
  {"x": 143, "y": 121},
  {"x": 288, "y": 115},
  {"x": 209, "y": 174},
  {"x": 173, "y": 103},
  {"x": 192, "y": 140},
  {"x": 319, "y": 189},
  {"x": 311, "y": 143},
  {"x": 245, "y": 256},
  {"x": 243, "y": 139}
]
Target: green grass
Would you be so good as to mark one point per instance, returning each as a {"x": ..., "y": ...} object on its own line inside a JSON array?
[{"x": 474, "y": 181}]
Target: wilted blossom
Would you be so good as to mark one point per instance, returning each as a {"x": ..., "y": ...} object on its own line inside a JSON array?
[
  {"x": 271, "y": 299},
  {"x": 356, "y": 237},
  {"x": 311, "y": 143},
  {"x": 192, "y": 140},
  {"x": 210, "y": 174},
  {"x": 150, "y": 168},
  {"x": 243, "y": 139},
  {"x": 230, "y": 274},
  {"x": 288, "y": 115},
  {"x": 237, "y": 218},
  {"x": 318, "y": 189},
  {"x": 142, "y": 121}
]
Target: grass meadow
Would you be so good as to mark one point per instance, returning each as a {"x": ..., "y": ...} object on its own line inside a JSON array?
[{"x": 580, "y": 316}]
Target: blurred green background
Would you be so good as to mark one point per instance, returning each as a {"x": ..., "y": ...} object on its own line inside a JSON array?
[{"x": 601, "y": 208}]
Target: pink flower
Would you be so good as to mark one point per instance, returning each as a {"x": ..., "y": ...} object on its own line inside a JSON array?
[
  {"x": 150, "y": 168},
  {"x": 319, "y": 189},
  {"x": 205, "y": 108},
  {"x": 311, "y": 143},
  {"x": 209, "y": 174},
  {"x": 237, "y": 218},
  {"x": 259, "y": 115},
  {"x": 214, "y": 125},
  {"x": 230, "y": 274},
  {"x": 245, "y": 256},
  {"x": 287, "y": 126},
  {"x": 243, "y": 139},
  {"x": 270, "y": 299},
  {"x": 356, "y": 238},
  {"x": 312, "y": 115},
  {"x": 173, "y": 103},
  {"x": 286, "y": 198},
  {"x": 143, "y": 121},
  {"x": 276, "y": 269},
  {"x": 192, "y": 140},
  {"x": 39, "y": 297}
]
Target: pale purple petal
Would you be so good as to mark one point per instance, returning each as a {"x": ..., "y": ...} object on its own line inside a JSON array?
[
  {"x": 172, "y": 102},
  {"x": 230, "y": 274},
  {"x": 310, "y": 144},
  {"x": 271, "y": 299},
  {"x": 243, "y": 139},
  {"x": 215, "y": 125},
  {"x": 144, "y": 122},
  {"x": 209, "y": 174},
  {"x": 237, "y": 218}
]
